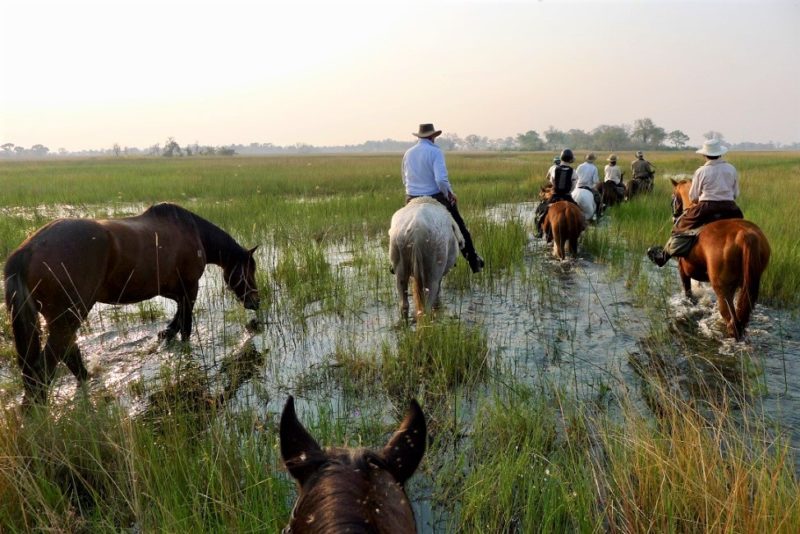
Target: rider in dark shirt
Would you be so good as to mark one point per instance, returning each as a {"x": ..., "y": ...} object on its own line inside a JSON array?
[{"x": 563, "y": 181}]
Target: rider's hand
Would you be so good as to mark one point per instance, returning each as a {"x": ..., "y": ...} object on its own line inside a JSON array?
[{"x": 453, "y": 198}]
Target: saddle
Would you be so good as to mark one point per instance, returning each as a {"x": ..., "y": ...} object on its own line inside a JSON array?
[{"x": 679, "y": 245}]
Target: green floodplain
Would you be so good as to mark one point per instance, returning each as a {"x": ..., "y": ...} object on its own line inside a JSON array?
[{"x": 511, "y": 449}]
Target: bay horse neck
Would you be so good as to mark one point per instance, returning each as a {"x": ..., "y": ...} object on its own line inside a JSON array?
[{"x": 220, "y": 248}]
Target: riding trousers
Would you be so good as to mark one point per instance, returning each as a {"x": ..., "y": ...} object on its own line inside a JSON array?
[
  {"x": 706, "y": 211},
  {"x": 469, "y": 249}
]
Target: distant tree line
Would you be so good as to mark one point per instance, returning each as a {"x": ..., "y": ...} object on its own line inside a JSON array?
[{"x": 643, "y": 134}]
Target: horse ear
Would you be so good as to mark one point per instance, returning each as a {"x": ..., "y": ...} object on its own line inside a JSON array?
[
  {"x": 406, "y": 447},
  {"x": 674, "y": 182},
  {"x": 252, "y": 250},
  {"x": 298, "y": 448}
]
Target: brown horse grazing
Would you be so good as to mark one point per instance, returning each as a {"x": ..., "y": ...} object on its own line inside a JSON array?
[
  {"x": 731, "y": 254},
  {"x": 67, "y": 266},
  {"x": 564, "y": 222},
  {"x": 352, "y": 490}
]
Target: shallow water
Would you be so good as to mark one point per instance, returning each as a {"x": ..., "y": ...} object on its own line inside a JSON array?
[{"x": 564, "y": 322}]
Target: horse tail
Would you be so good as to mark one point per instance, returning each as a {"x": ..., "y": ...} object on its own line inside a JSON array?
[
  {"x": 24, "y": 315},
  {"x": 753, "y": 264},
  {"x": 418, "y": 273}
]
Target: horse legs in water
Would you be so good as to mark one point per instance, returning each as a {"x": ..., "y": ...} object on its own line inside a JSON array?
[
  {"x": 686, "y": 280},
  {"x": 725, "y": 294},
  {"x": 38, "y": 375},
  {"x": 402, "y": 290},
  {"x": 401, "y": 273},
  {"x": 182, "y": 321}
]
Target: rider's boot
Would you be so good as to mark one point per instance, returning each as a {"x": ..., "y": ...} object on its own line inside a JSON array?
[{"x": 658, "y": 255}]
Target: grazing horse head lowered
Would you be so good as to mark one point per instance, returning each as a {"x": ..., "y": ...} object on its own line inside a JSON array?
[
  {"x": 67, "y": 266},
  {"x": 730, "y": 254},
  {"x": 424, "y": 242},
  {"x": 352, "y": 490}
]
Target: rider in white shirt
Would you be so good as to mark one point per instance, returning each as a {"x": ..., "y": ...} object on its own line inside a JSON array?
[
  {"x": 551, "y": 172},
  {"x": 715, "y": 187},
  {"x": 425, "y": 174},
  {"x": 588, "y": 178},
  {"x": 613, "y": 174}
]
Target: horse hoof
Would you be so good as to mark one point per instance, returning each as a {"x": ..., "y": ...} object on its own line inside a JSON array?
[
  {"x": 167, "y": 335},
  {"x": 254, "y": 326}
]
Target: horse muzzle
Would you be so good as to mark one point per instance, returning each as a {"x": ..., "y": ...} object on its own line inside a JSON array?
[{"x": 252, "y": 301}]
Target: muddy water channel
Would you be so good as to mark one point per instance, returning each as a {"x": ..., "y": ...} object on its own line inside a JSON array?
[{"x": 572, "y": 324}]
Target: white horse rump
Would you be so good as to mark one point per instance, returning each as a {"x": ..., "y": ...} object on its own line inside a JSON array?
[
  {"x": 424, "y": 242},
  {"x": 585, "y": 201}
]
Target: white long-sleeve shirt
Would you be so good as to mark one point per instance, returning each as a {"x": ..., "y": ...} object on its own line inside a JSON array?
[
  {"x": 424, "y": 171},
  {"x": 716, "y": 180},
  {"x": 587, "y": 175},
  {"x": 613, "y": 174}
]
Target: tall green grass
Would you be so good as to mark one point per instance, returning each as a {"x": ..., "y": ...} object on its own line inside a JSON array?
[{"x": 507, "y": 453}]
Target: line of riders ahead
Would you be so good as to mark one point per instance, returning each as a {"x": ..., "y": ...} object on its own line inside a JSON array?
[
  {"x": 714, "y": 189},
  {"x": 564, "y": 183}
]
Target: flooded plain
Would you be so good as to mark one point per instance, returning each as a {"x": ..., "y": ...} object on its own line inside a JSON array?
[{"x": 573, "y": 324}]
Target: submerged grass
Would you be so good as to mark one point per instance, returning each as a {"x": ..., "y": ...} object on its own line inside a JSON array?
[
  {"x": 435, "y": 357},
  {"x": 507, "y": 454}
]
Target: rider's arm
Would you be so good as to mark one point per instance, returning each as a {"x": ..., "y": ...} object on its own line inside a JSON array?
[
  {"x": 440, "y": 174},
  {"x": 697, "y": 185}
]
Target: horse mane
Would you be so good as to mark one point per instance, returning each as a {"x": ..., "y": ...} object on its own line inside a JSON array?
[
  {"x": 423, "y": 200},
  {"x": 219, "y": 246},
  {"x": 349, "y": 476}
]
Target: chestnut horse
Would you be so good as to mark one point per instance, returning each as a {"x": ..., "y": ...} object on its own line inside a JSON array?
[
  {"x": 563, "y": 224},
  {"x": 352, "y": 490},
  {"x": 67, "y": 266},
  {"x": 731, "y": 254}
]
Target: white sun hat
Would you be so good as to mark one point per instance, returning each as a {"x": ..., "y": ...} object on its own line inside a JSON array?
[{"x": 713, "y": 147}]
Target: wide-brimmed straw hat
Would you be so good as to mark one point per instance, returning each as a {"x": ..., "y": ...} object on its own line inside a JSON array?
[
  {"x": 612, "y": 157},
  {"x": 590, "y": 156},
  {"x": 713, "y": 147},
  {"x": 427, "y": 131}
]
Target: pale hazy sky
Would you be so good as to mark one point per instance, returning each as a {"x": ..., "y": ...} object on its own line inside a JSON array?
[{"x": 79, "y": 74}]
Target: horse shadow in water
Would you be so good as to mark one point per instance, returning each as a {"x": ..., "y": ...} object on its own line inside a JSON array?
[
  {"x": 424, "y": 242},
  {"x": 352, "y": 490},
  {"x": 730, "y": 254},
  {"x": 67, "y": 266}
]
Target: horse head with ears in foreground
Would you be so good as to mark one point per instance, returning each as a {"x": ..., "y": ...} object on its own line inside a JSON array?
[
  {"x": 352, "y": 490},
  {"x": 424, "y": 242}
]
